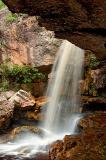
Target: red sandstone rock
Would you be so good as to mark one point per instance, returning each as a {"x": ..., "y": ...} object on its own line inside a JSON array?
[
  {"x": 26, "y": 43},
  {"x": 93, "y": 100},
  {"x": 79, "y": 21},
  {"x": 23, "y": 100},
  {"x": 6, "y": 114},
  {"x": 89, "y": 145}
]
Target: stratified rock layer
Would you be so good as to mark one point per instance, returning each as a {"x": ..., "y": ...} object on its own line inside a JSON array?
[{"x": 79, "y": 21}]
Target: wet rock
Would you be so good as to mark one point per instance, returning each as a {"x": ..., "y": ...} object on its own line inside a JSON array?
[
  {"x": 38, "y": 113},
  {"x": 95, "y": 120},
  {"x": 90, "y": 144},
  {"x": 6, "y": 114},
  {"x": 16, "y": 132},
  {"x": 41, "y": 101},
  {"x": 39, "y": 156},
  {"x": 31, "y": 114},
  {"x": 23, "y": 100},
  {"x": 42, "y": 156},
  {"x": 22, "y": 129}
]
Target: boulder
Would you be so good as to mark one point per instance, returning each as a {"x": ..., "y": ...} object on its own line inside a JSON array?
[
  {"x": 23, "y": 100},
  {"x": 6, "y": 114}
]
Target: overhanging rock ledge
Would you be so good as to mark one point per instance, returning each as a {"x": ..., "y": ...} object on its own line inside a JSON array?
[{"x": 81, "y": 22}]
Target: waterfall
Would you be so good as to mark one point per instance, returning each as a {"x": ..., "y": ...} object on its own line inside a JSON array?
[{"x": 64, "y": 89}]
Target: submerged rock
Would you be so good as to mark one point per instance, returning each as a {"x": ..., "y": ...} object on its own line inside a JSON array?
[
  {"x": 18, "y": 131},
  {"x": 24, "y": 129}
]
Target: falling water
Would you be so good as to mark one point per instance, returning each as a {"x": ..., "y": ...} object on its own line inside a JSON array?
[
  {"x": 64, "y": 89},
  {"x": 64, "y": 106}
]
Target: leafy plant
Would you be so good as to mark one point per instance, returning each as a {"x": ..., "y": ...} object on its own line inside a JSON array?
[
  {"x": 4, "y": 86},
  {"x": 18, "y": 74},
  {"x": 2, "y": 5},
  {"x": 25, "y": 74},
  {"x": 93, "y": 61},
  {"x": 4, "y": 70},
  {"x": 11, "y": 17}
]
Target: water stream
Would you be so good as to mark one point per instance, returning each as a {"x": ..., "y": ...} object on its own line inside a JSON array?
[
  {"x": 63, "y": 110},
  {"x": 64, "y": 88}
]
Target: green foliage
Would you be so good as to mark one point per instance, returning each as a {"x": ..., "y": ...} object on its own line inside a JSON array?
[
  {"x": 11, "y": 17},
  {"x": 18, "y": 75},
  {"x": 93, "y": 90},
  {"x": 25, "y": 74},
  {"x": 4, "y": 86},
  {"x": 4, "y": 74},
  {"x": 93, "y": 61},
  {"x": 2, "y": 5}
]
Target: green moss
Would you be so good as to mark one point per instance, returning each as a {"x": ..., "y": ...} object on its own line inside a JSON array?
[
  {"x": 11, "y": 17},
  {"x": 93, "y": 91},
  {"x": 2, "y": 5},
  {"x": 93, "y": 61},
  {"x": 4, "y": 86}
]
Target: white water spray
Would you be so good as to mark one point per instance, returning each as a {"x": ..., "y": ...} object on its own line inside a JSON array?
[{"x": 64, "y": 107}]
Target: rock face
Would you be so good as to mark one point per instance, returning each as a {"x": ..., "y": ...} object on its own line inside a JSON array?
[
  {"x": 79, "y": 21},
  {"x": 6, "y": 114},
  {"x": 24, "y": 42},
  {"x": 89, "y": 145},
  {"x": 93, "y": 84}
]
